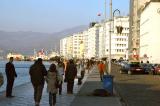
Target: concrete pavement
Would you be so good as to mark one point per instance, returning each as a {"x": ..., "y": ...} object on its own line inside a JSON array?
[
  {"x": 81, "y": 97},
  {"x": 85, "y": 97},
  {"x": 24, "y": 96}
]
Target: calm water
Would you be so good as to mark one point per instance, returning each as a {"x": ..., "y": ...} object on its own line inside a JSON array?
[{"x": 22, "y": 69}]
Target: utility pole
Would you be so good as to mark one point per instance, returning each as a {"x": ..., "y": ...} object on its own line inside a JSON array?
[
  {"x": 110, "y": 33},
  {"x": 104, "y": 28},
  {"x": 105, "y": 10}
]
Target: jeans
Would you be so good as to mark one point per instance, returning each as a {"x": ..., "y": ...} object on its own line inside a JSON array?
[{"x": 52, "y": 99}]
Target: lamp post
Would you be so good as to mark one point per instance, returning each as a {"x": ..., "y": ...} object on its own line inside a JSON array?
[
  {"x": 104, "y": 28},
  {"x": 110, "y": 33},
  {"x": 113, "y": 16}
]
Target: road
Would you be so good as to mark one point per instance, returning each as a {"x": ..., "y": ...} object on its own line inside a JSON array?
[{"x": 137, "y": 90}]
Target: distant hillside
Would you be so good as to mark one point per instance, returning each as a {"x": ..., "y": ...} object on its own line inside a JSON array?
[{"x": 25, "y": 42}]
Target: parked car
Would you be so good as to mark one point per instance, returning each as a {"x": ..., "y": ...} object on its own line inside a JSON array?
[
  {"x": 148, "y": 68},
  {"x": 131, "y": 67},
  {"x": 1, "y": 79}
]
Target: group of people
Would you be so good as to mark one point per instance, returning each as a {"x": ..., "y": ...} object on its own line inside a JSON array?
[
  {"x": 65, "y": 71},
  {"x": 39, "y": 75}
]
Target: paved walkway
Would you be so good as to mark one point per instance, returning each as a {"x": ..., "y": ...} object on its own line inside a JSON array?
[
  {"x": 85, "y": 97},
  {"x": 24, "y": 96},
  {"x": 81, "y": 97}
]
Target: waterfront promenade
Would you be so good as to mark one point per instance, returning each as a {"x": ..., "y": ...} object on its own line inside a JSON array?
[{"x": 82, "y": 95}]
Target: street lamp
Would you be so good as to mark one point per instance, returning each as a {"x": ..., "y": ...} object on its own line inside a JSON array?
[
  {"x": 113, "y": 16},
  {"x": 110, "y": 33}
]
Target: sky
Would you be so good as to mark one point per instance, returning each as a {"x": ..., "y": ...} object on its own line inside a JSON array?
[{"x": 53, "y": 15}]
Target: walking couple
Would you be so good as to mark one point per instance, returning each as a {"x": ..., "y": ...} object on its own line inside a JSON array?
[{"x": 53, "y": 77}]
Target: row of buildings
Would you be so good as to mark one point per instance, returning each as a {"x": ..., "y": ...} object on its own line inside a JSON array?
[
  {"x": 139, "y": 39},
  {"x": 94, "y": 41}
]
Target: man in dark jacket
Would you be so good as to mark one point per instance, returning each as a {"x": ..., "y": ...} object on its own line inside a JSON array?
[
  {"x": 11, "y": 75},
  {"x": 37, "y": 73},
  {"x": 70, "y": 74}
]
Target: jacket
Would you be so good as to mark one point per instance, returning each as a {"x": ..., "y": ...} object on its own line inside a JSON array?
[
  {"x": 71, "y": 72},
  {"x": 10, "y": 71},
  {"x": 51, "y": 81},
  {"x": 37, "y": 73},
  {"x": 101, "y": 67}
]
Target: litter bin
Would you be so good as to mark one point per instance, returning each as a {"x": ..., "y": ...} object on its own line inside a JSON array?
[{"x": 108, "y": 83}]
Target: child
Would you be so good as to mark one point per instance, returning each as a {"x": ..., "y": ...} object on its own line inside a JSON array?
[{"x": 52, "y": 78}]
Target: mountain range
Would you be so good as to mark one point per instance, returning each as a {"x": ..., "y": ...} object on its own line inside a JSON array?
[{"x": 26, "y": 41}]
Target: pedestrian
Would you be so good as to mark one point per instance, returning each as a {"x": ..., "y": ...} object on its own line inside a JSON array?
[
  {"x": 11, "y": 75},
  {"x": 52, "y": 81},
  {"x": 82, "y": 72},
  {"x": 82, "y": 69},
  {"x": 101, "y": 68},
  {"x": 37, "y": 73},
  {"x": 70, "y": 74},
  {"x": 60, "y": 70}
]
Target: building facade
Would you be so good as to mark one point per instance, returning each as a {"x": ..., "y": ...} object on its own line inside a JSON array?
[
  {"x": 63, "y": 47},
  {"x": 94, "y": 41},
  {"x": 150, "y": 33},
  {"x": 134, "y": 36},
  {"x": 119, "y": 41},
  {"x": 77, "y": 45},
  {"x": 93, "y": 37}
]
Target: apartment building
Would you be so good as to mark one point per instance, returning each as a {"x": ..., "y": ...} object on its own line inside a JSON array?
[
  {"x": 119, "y": 41},
  {"x": 63, "y": 47},
  {"x": 93, "y": 39},
  {"x": 78, "y": 43},
  {"x": 102, "y": 40},
  {"x": 150, "y": 33},
  {"x": 134, "y": 37},
  {"x": 86, "y": 47}
]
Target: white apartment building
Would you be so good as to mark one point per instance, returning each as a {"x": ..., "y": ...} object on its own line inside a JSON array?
[
  {"x": 93, "y": 37},
  {"x": 69, "y": 47},
  {"x": 66, "y": 47},
  {"x": 77, "y": 45},
  {"x": 150, "y": 33},
  {"x": 102, "y": 40},
  {"x": 63, "y": 47},
  {"x": 86, "y": 47},
  {"x": 94, "y": 42},
  {"x": 119, "y": 42}
]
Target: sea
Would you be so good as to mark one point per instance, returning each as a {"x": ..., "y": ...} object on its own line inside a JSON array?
[{"x": 22, "y": 70}]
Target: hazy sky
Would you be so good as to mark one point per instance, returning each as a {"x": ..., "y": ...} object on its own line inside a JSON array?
[{"x": 53, "y": 15}]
